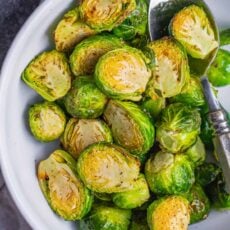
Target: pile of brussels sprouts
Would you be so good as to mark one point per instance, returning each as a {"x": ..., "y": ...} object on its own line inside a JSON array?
[{"x": 131, "y": 118}]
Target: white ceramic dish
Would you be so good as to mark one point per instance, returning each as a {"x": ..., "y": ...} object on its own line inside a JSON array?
[{"x": 19, "y": 151}]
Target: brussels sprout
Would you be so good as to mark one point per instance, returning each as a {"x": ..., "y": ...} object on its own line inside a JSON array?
[
  {"x": 135, "y": 197},
  {"x": 103, "y": 196},
  {"x": 172, "y": 71},
  {"x": 225, "y": 37},
  {"x": 107, "y": 168},
  {"x": 130, "y": 126},
  {"x": 169, "y": 213},
  {"x": 70, "y": 31},
  {"x": 196, "y": 153},
  {"x": 105, "y": 217},
  {"x": 49, "y": 75},
  {"x": 79, "y": 134},
  {"x": 178, "y": 127},
  {"x": 135, "y": 23},
  {"x": 47, "y": 121},
  {"x": 62, "y": 188},
  {"x": 193, "y": 29},
  {"x": 139, "y": 221},
  {"x": 219, "y": 72},
  {"x": 86, "y": 54},
  {"x": 105, "y": 14},
  {"x": 206, "y": 173},
  {"x": 85, "y": 100},
  {"x": 123, "y": 74},
  {"x": 167, "y": 173},
  {"x": 191, "y": 94},
  {"x": 139, "y": 42},
  {"x": 199, "y": 204}
]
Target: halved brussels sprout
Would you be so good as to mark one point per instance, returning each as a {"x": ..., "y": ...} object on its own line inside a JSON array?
[
  {"x": 62, "y": 188},
  {"x": 225, "y": 37},
  {"x": 107, "y": 168},
  {"x": 123, "y": 74},
  {"x": 168, "y": 174},
  {"x": 85, "y": 100},
  {"x": 135, "y": 23},
  {"x": 47, "y": 121},
  {"x": 172, "y": 71},
  {"x": 178, "y": 127},
  {"x": 130, "y": 126},
  {"x": 79, "y": 134},
  {"x": 206, "y": 173},
  {"x": 135, "y": 197},
  {"x": 106, "y": 14},
  {"x": 191, "y": 93},
  {"x": 196, "y": 153},
  {"x": 139, "y": 221},
  {"x": 219, "y": 72},
  {"x": 49, "y": 75},
  {"x": 86, "y": 54},
  {"x": 169, "y": 213},
  {"x": 106, "y": 217},
  {"x": 199, "y": 204},
  {"x": 70, "y": 31},
  {"x": 193, "y": 29}
]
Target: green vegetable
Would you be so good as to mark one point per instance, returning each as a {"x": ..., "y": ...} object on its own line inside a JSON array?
[
  {"x": 47, "y": 121},
  {"x": 193, "y": 29},
  {"x": 135, "y": 23},
  {"x": 178, "y": 127},
  {"x": 219, "y": 72},
  {"x": 139, "y": 221},
  {"x": 79, "y": 134},
  {"x": 225, "y": 37},
  {"x": 168, "y": 174},
  {"x": 199, "y": 204},
  {"x": 135, "y": 197},
  {"x": 49, "y": 75},
  {"x": 130, "y": 126},
  {"x": 85, "y": 100},
  {"x": 106, "y": 217},
  {"x": 103, "y": 196},
  {"x": 169, "y": 213},
  {"x": 86, "y": 54},
  {"x": 123, "y": 74},
  {"x": 107, "y": 168},
  {"x": 62, "y": 188},
  {"x": 70, "y": 31},
  {"x": 171, "y": 71},
  {"x": 105, "y": 14}
]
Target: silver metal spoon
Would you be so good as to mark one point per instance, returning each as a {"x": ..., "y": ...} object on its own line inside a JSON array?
[{"x": 160, "y": 14}]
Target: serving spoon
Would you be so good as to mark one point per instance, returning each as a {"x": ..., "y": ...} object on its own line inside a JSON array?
[{"x": 159, "y": 16}]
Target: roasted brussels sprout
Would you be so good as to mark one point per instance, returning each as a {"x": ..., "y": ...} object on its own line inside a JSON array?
[
  {"x": 225, "y": 37},
  {"x": 123, "y": 74},
  {"x": 199, "y": 204},
  {"x": 172, "y": 71},
  {"x": 49, "y": 75},
  {"x": 85, "y": 100},
  {"x": 206, "y": 173},
  {"x": 107, "y": 168},
  {"x": 219, "y": 72},
  {"x": 168, "y": 174},
  {"x": 193, "y": 29},
  {"x": 135, "y": 23},
  {"x": 130, "y": 126},
  {"x": 135, "y": 197},
  {"x": 196, "y": 153},
  {"x": 47, "y": 121},
  {"x": 169, "y": 213},
  {"x": 191, "y": 93},
  {"x": 178, "y": 127},
  {"x": 105, "y": 14},
  {"x": 86, "y": 54},
  {"x": 79, "y": 134},
  {"x": 70, "y": 31},
  {"x": 139, "y": 221},
  {"x": 106, "y": 217},
  {"x": 62, "y": 188}
]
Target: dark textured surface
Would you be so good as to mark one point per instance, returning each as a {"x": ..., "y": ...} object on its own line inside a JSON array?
[{"x": 13, "y": 14}]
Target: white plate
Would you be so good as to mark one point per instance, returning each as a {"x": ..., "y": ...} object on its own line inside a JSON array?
[{"x": 19, "y": 151}]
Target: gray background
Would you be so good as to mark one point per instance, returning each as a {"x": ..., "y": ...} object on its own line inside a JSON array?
[{"x": 13, "y": 14}]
